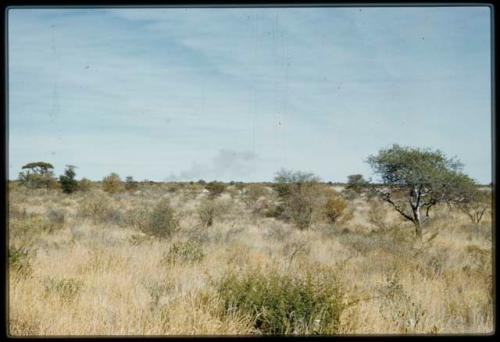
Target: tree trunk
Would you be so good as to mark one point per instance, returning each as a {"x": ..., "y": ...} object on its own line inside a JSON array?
[{"x": 417, "y": 222}]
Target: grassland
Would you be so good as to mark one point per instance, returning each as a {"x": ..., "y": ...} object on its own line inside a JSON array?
[{"x": 81, "y": 264}]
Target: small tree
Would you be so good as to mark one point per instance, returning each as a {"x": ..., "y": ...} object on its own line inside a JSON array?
[
  {"x": 468, "y": 198},
  {"x": 215, "y": 188},
  {"x": 356, "y": 183},
  {"x": 130, "y": 183},
  {"x": 112, "y": 183},
  {"x": 297, "y": 192},
  {"x": 414, "y": 179},
  {"x": 68, "y": 182},
  {"x": 38, "y": 175}
]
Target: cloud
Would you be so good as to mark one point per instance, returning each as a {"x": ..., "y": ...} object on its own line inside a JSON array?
[{"x": 226, "y": 165}]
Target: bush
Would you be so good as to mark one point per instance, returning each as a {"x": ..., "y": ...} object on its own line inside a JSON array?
[
  {"x": 282, "y": 304},
  {"x": 112, "y": 184},
  {"x": 184, "y": 252},
  {"x": 66, "y": 289},
  {"x": 130, "y": 184},
  {"x": 96, "y": 207},
  {"x": 215, "y": 188},
  {"x": 162, "y": 221},
  {"x": 84, "y": 184},
  {"x": 68, "y": 182},
  {"x": 208, "y": 211},
  {"x": 334, "y": 208},
  {"x": 20, "y": 260},
  {"x": 253, "y": 192}
]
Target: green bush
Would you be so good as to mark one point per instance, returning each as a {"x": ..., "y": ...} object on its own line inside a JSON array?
[
  {"x": 67, "y": 181},
  {"x": 162, "y": 221},
  {"x": 184, "y": 252},
  {"x": 20, "y": 260},
  {"x": 130, "y": 184},
  {"x": 112, "y": 184},
  {"x": 215, "y": 188},
  {"x": 282, "y": 304}
]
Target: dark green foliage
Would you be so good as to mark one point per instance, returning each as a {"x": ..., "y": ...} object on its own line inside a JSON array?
[
  {"x": 215, "y": 188},
  {"x": 130, "y": 184},
  {"x": 68, "y": 182},
  {"x": 282, "y": 304}
]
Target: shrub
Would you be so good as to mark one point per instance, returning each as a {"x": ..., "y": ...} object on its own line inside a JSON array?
[
  {"x": 297, "y": 192},
  {"x": 20, "y": 260},
  {"x": 96, "y": 207},
  {"x": 112, "y": 184},
  {"x": 282, "y": 304},
  {"x": 334, "y": 208},
  {"x": 215, "y": 188},
  {"x": 184, "y": 252},
  {"x": 68, "y": 182},
  {"x": 130, "y": 184},
  {"x": 253, "y": 192},
  {"x": 208, "y": 211},
  {"x": 84, "y": 184},
  {"x": 356, "y": 184},
  {"x": 66, "y": 289},
  {"x": 162, "y": 221}
]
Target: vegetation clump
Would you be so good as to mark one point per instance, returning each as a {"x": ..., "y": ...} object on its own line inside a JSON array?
[
  {"x": 68, "y": 182},
  {"x": 162, "y": 221},
  {"x": 184, "y": 252},
  {"x": 283, "y": 304},
  {"x": 112, "y": 184},
  {"x": 215, "y": 188}
]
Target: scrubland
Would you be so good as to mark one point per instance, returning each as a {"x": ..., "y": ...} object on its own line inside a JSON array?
[{"x": 86, "y": 264}]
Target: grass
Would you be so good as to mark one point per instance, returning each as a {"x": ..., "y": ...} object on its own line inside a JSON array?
[{"x": 90, "y": 264}]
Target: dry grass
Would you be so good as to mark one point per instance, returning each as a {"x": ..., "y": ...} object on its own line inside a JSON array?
[{"x": 78, "y": 274}]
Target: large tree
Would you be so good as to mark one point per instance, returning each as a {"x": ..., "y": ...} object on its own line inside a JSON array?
[
  {"x": 415, "y": 179},
  {"x": 37, "y": 175}
]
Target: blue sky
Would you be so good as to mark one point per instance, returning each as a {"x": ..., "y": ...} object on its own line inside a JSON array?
[{"x": 238, "y": 93}]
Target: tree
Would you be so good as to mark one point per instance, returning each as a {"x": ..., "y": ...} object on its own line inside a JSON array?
[
  {"x": 414, "y": 179},
  {"x": 68, "y": 182},
  {"x": 130, "y": 183},
  {"x": 38, "y": 175},
  {"x": 298, "y": 192},
  {"x": 356, "y": 183},
  {"x": 469, "y": 198}
]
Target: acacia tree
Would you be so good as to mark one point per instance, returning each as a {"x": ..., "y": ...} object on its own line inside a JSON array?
[
  {"x": 37, "y": 175},
  {"x": 415, "y": 179}
]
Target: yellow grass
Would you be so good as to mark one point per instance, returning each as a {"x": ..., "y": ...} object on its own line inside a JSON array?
[{"x": 108, "y": 278}]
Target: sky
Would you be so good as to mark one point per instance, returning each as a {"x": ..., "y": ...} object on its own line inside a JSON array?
[{"x": 181, "y": 94}]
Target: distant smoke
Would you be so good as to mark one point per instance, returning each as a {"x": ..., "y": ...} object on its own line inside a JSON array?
[{"x": 225, "y": 166}]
